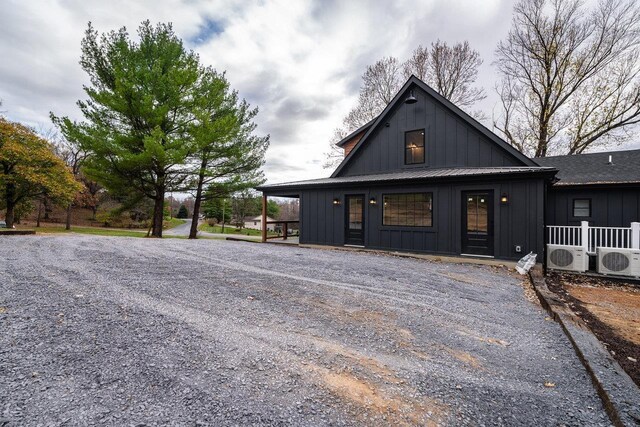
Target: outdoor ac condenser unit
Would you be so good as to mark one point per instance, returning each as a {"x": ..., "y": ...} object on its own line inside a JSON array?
[
  {"x": 569, "y": 258},
  {"x": 623, "y": 262}
]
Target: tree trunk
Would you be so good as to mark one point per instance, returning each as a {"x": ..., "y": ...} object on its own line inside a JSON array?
[
  {"x": 68, "y": 222},
  {"x": 47, "y": 208},
  {"x": 224, "y": 205},
  {"x": 158, "y": 206},
  {"x": 158, "y": 215},
  {"x": 10, "y": 215},
  {"x": 11, "y": 204},
  {"x": 193, "y": 233},
  {"x": 39, "y": 213}
]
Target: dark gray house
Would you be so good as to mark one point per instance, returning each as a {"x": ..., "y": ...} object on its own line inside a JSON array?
[
  {"x": 601, "y": 188},
  {"x": 424, "y": 176}
]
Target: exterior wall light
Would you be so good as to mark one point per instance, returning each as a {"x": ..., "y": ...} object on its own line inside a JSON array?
[
  {"x": 336, "y": 202},
  {"x": 504, "y": 199},
  {"x": 373, "y": 201},
  {"x": 411, "y": 99}
]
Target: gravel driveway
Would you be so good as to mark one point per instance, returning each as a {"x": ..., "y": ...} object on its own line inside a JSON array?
[{"x": 132, "y": 331}]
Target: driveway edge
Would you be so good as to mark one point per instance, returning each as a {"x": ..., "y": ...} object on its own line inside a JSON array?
[{"x": 619, "y": 394}]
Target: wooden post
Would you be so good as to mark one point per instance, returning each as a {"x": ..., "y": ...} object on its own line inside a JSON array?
[
  {"x": 264, "y": 218},
  {"x": 284, "y": 236}
]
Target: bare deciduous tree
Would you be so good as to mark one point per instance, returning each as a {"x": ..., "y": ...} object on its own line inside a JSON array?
[
  {"x": 380, "y": 82},
  {"x": 73, "y": 155},
  {"x": 570, "y": 76},
  {"x": 450, "y": 70}
]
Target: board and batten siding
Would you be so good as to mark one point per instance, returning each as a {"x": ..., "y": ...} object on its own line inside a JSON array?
[
  {"x": 518, "y": 223},
  {"x": 610, "y": 206},
  {"x": 449, "y": 141}
]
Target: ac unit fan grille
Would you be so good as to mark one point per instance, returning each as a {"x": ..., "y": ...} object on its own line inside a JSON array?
[
  {"x": 561, "y": 257},
  {"x": 615, "y": 261}
]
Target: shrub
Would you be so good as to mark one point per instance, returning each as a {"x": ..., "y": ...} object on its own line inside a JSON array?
[{"x": 183, "y": 213}]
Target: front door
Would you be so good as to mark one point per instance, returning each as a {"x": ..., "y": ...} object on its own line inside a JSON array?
[
  {"x": 477, "y": 223},
  {"x": 354, "y": 231}
]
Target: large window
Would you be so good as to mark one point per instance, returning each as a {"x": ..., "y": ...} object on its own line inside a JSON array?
[
  {"x": 414, "y": 147},
  {"x": 581, "y": 208},
  {"x": 410, "y": 209}
]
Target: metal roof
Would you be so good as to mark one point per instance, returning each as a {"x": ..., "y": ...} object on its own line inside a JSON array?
[
  {"x": 416, "y": 174},
  {"x": 594, "y": 168}
]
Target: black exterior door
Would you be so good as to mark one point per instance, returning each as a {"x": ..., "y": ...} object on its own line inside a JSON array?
[
  {"x": 477, "y": 223},
  {"x": 354, "y": 222}
]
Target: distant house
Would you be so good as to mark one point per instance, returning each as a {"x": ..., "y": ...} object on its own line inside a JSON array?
[
  {"x": 426, "y": 177},
  {"x": 255, "y": 222}
]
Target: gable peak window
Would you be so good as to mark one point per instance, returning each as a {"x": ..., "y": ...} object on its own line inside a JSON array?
[{"x": 414, "y": 147}]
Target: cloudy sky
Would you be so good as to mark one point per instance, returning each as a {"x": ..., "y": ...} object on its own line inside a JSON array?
[{"x": 300, "y": 62}]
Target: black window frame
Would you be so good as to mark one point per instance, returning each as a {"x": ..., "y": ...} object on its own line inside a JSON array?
[
  {"x": 573, "y": 207},
  {"x": 424, "y": 148},
  {"x": 429, "y": 194}
]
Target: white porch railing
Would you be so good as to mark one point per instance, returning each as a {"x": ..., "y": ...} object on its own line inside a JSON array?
[{"x": 595, "y": 237}]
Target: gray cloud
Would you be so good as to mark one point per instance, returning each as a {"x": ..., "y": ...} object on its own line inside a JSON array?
[
  {"x": 299, "y": 62},
  {"x": 302, "y": 107}
]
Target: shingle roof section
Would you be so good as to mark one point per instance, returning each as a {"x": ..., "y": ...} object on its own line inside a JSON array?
[
  {"x": 594, "y": 168},
  {"x": 416, "y": 174}
]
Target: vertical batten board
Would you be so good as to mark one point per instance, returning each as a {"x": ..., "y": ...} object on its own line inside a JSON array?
[
  {"x": 441, "y": 137},
  {"x": 462, "y": 139}
]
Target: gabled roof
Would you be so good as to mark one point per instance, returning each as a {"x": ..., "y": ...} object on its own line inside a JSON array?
[
  {"x": 594, "y": 168},
  {"x": 415, "y": 174},
  {"x": 413, "y": 80},
  {"x": 355, "y": 132}
]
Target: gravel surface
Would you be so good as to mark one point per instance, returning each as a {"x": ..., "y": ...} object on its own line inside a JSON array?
[
  {"x": 179, "y": 230},
  {"x": 185, "y": 229},
  {"x": 132, "y": 331}
]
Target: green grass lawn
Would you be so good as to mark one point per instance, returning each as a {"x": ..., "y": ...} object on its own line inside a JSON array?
[
  {"x": 104, "y": 231},
  {"x": 98, "y": 231},
  {"x": 173, "y": 222},
  {"x": 230, "y": 229}
]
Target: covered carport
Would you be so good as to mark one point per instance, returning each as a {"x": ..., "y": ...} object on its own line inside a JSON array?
[{"x": 285, "y": 224}]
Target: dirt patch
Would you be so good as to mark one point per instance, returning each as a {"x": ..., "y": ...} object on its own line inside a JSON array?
[
  {"x": 397, "y": 407},
  {"x": 488, "y": 340},
  {"x": 620, "y": 309},
  {"x": 464, "y": 357},
  {"x": 373, "y": 365},
  {"x": 374, "y": 387},
  {"x": 611, "y": 309},
  {"x": 384, "y": 322},
  {"x": 529, "y": 291},
  {"x": 463, "y": 278}
]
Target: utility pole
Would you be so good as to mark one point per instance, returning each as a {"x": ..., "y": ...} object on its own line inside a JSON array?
[{"x": 223, "y": 207}]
